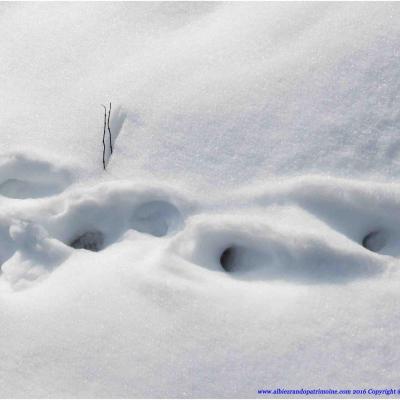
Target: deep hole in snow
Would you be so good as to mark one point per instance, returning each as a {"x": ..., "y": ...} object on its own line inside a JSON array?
[
  {"x": 374, "y": 241},
  {"x": 241, "y": 259},
  {"x": 93, "y": 241},
  {"x": 227, "y": 259}
]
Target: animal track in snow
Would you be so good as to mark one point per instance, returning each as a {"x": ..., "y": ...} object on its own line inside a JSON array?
[
  {"x": 248, "y": 249},
  {"x": 157, "y": 218},
  {"x": 92, "y": 240},
  {"x": 307, "y": 267},
  {"x": 364, "y": 212},
  {"x": 237, "y": 258},
  {"x": 375, "y": 241},
  {"x": 94, "y": 219},
  {"x": 24, "y": 177},
  {"x": 90, "y": 219},
  {"x": 325, "y": 245},
  {"x": 227, "y": 259}
]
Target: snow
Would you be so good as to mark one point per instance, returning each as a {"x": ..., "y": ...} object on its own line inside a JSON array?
[{"x": 245, "y": 234}]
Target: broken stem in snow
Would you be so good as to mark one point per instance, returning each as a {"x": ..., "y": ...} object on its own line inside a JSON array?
[
  {"x": 104, "y": 137},
  {"x": 109, "y": 130}
]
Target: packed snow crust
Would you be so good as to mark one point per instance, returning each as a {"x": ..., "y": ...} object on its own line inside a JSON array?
[{"x": 246, "y": 232}]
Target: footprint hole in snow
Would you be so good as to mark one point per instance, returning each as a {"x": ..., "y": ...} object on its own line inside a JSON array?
[
  {"x": 375, "y": 241},
  {"x": 28, "y": 177},
  {"x": 156, "y": 218},
  {"x": 24, "y": 189},
  {"x": 227, "y": 259},
  {"x": 239, "y": 259},
  {"x": 91, "y": 240},
  {"x": 261, "y": 263}
]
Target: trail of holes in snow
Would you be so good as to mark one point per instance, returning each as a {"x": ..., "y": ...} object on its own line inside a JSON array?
[
  {"x": 85, "y": 224},
  {"x": 30, "y": 250},
  {"x": 160, "y": 219},
  {"x": 155, "y": 218}
]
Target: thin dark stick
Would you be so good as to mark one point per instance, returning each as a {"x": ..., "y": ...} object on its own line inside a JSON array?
[
  {"x": 104, "y": 137},
  {"x": 109, "y": 130}
]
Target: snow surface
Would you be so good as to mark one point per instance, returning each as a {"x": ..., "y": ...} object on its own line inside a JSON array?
[{"x": 246, "y": 232}]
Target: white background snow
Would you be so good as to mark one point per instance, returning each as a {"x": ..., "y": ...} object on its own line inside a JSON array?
[{"x": 269, "y": 129}]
